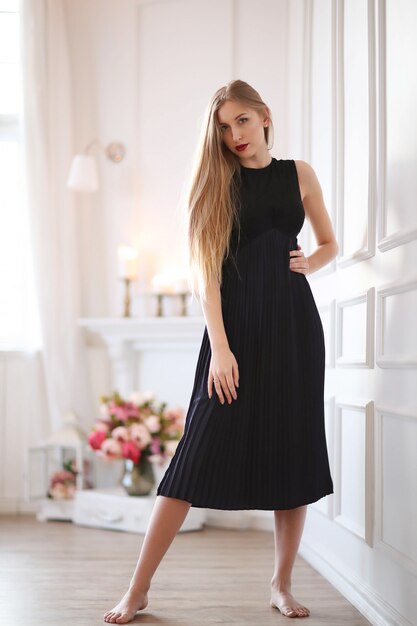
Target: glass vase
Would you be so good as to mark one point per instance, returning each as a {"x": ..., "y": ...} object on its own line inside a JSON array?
[{"x": 138, "y": 478}]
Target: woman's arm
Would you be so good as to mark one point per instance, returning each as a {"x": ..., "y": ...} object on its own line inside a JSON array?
[
  {"x": 318, "y": 216},
  {"x": 212, "y": 310},
  {"x": 223, "y": 371}
]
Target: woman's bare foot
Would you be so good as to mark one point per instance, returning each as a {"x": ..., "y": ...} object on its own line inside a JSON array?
[
  {"x": 125, "y": 611},
  {"x": 285, "y": 602}
]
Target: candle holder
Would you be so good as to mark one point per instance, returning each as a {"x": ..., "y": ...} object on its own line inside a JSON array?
[
  {"x": 159, "y": 302},
  {"x": 127, "y": 299}
]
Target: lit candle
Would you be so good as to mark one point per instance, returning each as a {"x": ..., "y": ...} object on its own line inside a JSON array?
[
  {"x": 170, "y": 282},
  {"x": 127, "y": 262},
  {"x": 161, "y": 283}
]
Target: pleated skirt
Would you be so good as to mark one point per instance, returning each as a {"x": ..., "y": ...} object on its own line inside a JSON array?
[{"x": 267, "y": 449}]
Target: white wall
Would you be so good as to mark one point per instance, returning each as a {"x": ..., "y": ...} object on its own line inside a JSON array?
[
  {"x": 359, "y": 92},
  {"x": 142, "y": 75}
]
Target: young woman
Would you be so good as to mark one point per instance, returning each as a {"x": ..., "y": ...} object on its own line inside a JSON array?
[{"x": 262, "y": 350}]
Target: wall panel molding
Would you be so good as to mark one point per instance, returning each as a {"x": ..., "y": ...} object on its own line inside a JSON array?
[
  {"x": 404, "y": 330},
  {"x": 362, "y": 528},
  {"x": 366, "y": 358},
  {"x": 387, "y": 240},
  {"x": 407, "y": 515},
  {"x": 320, "y": 103},
  {"x": 356, "y": 149}
]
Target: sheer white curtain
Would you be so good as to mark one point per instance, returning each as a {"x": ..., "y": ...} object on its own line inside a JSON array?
[{"x": 47, "y": 127}]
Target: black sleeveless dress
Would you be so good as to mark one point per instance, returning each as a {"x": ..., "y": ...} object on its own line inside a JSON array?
[{"x": 267, "y": 449}]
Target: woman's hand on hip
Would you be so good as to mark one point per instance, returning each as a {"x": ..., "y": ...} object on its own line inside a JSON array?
[{"x": 299, "y": 262}]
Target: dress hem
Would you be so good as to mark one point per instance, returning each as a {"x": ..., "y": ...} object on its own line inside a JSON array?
[{"x": 246, "y": 507}]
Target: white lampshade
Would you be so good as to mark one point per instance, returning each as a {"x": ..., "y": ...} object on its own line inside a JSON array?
[{"x": 83, "y": 174}]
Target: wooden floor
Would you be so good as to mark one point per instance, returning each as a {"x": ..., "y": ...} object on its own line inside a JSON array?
[{"x": 56, "y": 573}]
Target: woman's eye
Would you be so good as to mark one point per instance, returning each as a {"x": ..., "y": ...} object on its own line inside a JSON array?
[{"x": 242, "y": 119}]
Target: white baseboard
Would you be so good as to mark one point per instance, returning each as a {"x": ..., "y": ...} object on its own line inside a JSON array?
[
  {"x": 16, "y": 505},
  {"x": 372, "y": 606}
]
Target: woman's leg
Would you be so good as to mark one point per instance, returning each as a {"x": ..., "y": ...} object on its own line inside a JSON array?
[
  {"x": 167, "y": 517},
  {"x": 289, "y": 525}
]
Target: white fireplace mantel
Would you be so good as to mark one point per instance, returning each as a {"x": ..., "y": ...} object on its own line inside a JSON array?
[{"x": 124, "y": 337}]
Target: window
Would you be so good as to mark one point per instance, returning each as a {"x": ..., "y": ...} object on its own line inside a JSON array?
[{"x": 19, "y": 317}]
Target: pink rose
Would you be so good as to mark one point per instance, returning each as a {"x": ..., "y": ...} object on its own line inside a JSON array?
[
  {"x": 156, "y": 445},
  {"x": 174, "y": 429},
  {"x": 58, "y": 492},
  {"x": 102, "y": 425},
  {"x": 140, "y": 397},
  {"x": 111, "y": 449},
  {"x": 140, "y": 435},
  {"x": 70, "y": 491},
  {"x": 121, "y": 433},
  {"x": 153, "y": 423},
  {"x": 124, "y": 411},
  {"x": 132, "y": 409},
  {"x": 175, "y": 414},
  {"x": 62, "y": 476},
  {"x": 96, "y": 438},
  {"x": 119, "y": 412},
  {"x": 131, "y": 451},
  {"x": 104, "y": 411}
]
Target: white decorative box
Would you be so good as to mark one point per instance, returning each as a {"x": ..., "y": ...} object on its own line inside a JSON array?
[
  {"x": 50, "y": 509},
  {"x": 114, "y": 509}
]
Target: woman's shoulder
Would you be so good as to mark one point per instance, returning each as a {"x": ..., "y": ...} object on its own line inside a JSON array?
[{"x": 307, "y": 178}]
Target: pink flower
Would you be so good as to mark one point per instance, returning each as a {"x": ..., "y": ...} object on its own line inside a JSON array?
[
  {"x": 172, "y": 429},
  {"x": 111, "y": 449},
  {"x": 175, "y": 414},
  {"x": 153, "y": 423},
  {"x": 121, "y": 433},
  {"x": 119, "y": 412},
  {"x": 70, "y": 491},
  {"x": 62, "y": 476},
  {"x": 58, "y": 492},
  {"x": 96, "y": 438},
  {"x": 140, "y": 435},
  {"x": 104, "y": 411},
  {"x": 132, "y": 409},
  {"x": 102, "y": 425},
  {"x": 123, "y": 411},
  {"x": 131, "y": 451},
  {"x": 155, "y": 445},
  {"x": 140, "y": 397}
]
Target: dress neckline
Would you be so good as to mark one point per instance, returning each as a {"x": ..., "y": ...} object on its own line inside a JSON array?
[{"x": 258, "y": 169}]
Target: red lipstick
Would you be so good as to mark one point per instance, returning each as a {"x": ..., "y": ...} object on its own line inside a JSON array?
[{"x": 242, "y": 147}]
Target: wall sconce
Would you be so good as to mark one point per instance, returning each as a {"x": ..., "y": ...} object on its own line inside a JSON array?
[{"x": 83, "y": 174}]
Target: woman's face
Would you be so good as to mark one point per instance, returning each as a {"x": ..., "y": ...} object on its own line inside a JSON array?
[{"x": 242, "y": 126}]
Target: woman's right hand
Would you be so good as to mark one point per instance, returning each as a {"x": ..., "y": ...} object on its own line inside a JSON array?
[{"x": 224, "y": 373}]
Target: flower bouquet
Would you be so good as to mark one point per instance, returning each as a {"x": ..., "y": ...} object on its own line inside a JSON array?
[
  {"x": 62, "y": 482},
  {"x": 140, "y": 431}
]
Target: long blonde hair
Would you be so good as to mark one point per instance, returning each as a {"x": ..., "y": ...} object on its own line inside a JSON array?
[{"x": 213, "y": 194}]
